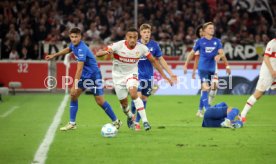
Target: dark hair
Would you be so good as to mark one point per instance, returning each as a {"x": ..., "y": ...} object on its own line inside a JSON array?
[
  {"x": 132, "y": 29},
  {"x": 75, "y": 30},
  {"x": 198, "y": 30}
]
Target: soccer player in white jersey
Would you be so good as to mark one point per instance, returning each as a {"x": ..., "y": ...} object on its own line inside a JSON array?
[
  {"x": 267, "y": 78},
  {"x": 126, "y": 55}
]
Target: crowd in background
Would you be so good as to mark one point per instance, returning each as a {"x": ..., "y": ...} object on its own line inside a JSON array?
[{"x": 25, "y": 23}]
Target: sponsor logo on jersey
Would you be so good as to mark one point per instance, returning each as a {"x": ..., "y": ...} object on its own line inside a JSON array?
[{"x": 209, "y": 49}]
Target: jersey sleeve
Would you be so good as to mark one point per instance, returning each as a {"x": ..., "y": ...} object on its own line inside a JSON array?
[
  {"x": 197, "y": 53},
  {"x": 114, "y": 46},
  {"x": 196, "y": 45},
  {"x": 145, "y": 51},
  {"x": 158, "y": 52},
  {"x": 269, "y": 49},
  {"x": 82, "y": 54},
  {"x": 219, "y": 44}
]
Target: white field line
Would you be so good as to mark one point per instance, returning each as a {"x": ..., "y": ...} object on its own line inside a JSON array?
[
  {"x": 9, "y": 111},
  {"x": 41, "y": 153}
]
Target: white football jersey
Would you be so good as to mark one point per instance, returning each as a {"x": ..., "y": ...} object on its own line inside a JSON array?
[
  {"x": 125, "y": 61},
  {"x": 270, "y": 51}
]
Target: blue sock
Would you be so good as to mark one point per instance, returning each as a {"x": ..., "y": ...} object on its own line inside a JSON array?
[
  {"x": 138, "y": 117},
  {"x": 200, "y": 104},
  {"x": 133, "y": 109},
  {"x": 73, "y": 110},
  {"x": 204, "y": 99},
  {"x": 232, "y": 114},
  {"x": 108, "y": 110}
]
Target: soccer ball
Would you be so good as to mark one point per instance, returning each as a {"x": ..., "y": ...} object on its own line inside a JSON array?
[{"x": 109, "y": 130}]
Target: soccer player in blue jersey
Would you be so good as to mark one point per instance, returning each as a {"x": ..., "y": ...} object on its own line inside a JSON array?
[
  {"x": 145, "y": 69},
  {"x": 87, "y": 73},
  {"x": 210, "y": 50},
  {"x": 221, "y": 115}
]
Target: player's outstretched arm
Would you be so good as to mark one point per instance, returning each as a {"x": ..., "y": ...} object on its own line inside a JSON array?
[
  {"x": 269, "y": 66},
  {"x": 195, "y": 66},
  {"x": 224, "y": 59},
  {"x": 104, "y": 52},
  {"x": 159, "y": 69},
  {"x": 62, "y": 52},
  {"x": 77, "y": 77},
  {"x": 164, "y": 64},
  {"x": 189, "y": 58}
]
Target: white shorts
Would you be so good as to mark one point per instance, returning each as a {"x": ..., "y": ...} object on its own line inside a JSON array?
[
  {"x": 122, "y": 89},
  {"x": 265, "y": 79}
]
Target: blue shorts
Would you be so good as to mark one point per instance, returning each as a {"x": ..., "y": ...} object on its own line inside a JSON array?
[
  {"x": 145, "y": 87},
  {"x": 205, "y": 76},
  {"x": 94, "y": 84},
  {"x": 215, "y": 115}
]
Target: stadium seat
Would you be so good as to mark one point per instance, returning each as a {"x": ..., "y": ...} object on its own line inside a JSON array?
[{"x": 13, "y": 85}]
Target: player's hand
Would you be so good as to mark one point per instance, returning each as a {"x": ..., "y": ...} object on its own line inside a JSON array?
[
  {"x": 217, "y": 58},
  {"x": 185, "y": 69},
  {"x": 194, "y": 75},
  {"x": 174, "y": 78},
  {"x": 49, "y": 57},
  {"x": 228, "y": 71},
  {"x": 169, "y": 81}
]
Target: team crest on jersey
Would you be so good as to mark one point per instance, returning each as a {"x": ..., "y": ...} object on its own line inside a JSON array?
[
  {"x": 268, "y": 49},
  {"x": 137, "y": 53},
  {"x": 209, "y": 49},
  {"x": 151, "y": 49},
  {"x": 215, "y": 43}
]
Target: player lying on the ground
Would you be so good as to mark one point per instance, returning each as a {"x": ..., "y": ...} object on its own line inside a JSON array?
[
  {"x": 220, "y": 115},
  {"x": 87, "y": 72},
  {"x": 145, "y": 69},
  {"x": 267, "y": 78},
  {"x": 210, "y": 49},
  {"x": 126, "y": 55}
]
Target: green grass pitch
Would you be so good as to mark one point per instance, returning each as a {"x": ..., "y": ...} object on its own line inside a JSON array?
[{"x": 176, "y": 135}]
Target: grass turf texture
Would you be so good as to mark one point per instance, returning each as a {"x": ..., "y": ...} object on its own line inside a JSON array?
[{"x": 176, "y": 135}]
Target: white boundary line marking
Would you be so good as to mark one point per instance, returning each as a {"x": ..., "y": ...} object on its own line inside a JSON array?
[
  {"x": 41, "y": 153},
  {"x": 9, "y": 111}
]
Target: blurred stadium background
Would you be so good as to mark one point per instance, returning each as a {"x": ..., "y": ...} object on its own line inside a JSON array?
[{"x": 31, "y": 29}]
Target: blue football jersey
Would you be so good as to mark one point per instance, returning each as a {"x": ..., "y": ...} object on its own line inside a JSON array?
[
  {"x": 208, "y": 49},
  {"x": 84, "y": 54},
  {"x": 145, "y": 68}
]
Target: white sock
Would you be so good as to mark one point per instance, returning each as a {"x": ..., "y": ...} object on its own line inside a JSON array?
[
  {"x": 212, "y": 95},
  {"x": 250, "y": 102},
  {"x": 72, "y": 123},
  {"x": 127, "y": 111},
  {"x": 139, "y": 105}
]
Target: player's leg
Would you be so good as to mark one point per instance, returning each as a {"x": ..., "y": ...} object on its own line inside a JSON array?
[
  {"x": 263, "y": 84},
  {"x": 98, "y": 92},
  {"x": 146, "y": 89},
  {"x": 132, "y": 86},
  {"x": 108, "y": 110},
  {"x": 232, "y": 113},
  {"x": 73, "y": 109},
  {"x": 250, "y": 102},
  {"x": 122, "y": 93},
  {"x": 205, "y": 78},
  {"x": 213, "y": 89}
]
